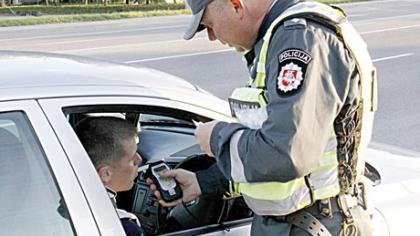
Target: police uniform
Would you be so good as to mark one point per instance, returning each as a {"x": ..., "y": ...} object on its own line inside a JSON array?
[
  {"x": 128, "y": 220},
  {"x": 297, "y": 153}
]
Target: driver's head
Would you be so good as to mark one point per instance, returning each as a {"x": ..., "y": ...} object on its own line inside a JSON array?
[{"x": 111, "y": 145}]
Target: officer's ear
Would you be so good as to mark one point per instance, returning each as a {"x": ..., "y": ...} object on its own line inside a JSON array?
[{"x": 238, "y": 6}]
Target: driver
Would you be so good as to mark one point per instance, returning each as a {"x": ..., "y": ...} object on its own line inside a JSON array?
[{"x": 111, "y": 145}]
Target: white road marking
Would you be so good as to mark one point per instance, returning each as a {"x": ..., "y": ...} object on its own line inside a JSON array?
[
  {"x": 64, "y": 42},
  {"x": 387, "y": 18},
  {"x": 229, "y": 50},
  {"x": 161, "y": 42},
  {"x": 92, "y": 33},
  {"x": 132, "y": 45},
  {"x": 171, "y": 41},
  {"x": 392, "y": 57},
  {"x": 178, "y": 56},
  {"x": 179, "y": 40},
  {"x": 389, "y": 29},
  {"x": 183, "y": 26}
]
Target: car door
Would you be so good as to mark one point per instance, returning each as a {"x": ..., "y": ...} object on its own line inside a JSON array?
[{"x": 40, "y": 194}]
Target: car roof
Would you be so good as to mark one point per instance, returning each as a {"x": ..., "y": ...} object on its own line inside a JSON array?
[{"x": 31, "y": 75}]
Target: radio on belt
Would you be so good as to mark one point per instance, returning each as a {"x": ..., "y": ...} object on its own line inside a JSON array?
[{"x": 168, "y": 187}]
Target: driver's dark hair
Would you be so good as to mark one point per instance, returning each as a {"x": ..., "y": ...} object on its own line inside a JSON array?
[{"x": 104, "y": 138}]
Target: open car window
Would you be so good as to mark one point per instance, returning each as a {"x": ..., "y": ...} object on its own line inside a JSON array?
[{"x": 168, "y": 134}]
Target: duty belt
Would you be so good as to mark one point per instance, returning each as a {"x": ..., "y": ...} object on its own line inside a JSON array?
[{"x": 305, "y": 219}]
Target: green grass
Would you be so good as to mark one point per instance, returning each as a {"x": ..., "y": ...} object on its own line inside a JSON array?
[
  {"x": 71, "y": 9},
  {"x": 87, "y": 17}
]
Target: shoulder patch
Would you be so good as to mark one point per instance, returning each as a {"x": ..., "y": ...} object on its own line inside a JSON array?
[{"x": 292, "y": 69}]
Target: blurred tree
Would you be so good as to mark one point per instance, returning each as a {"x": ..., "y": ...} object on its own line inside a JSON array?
[{"x": 2, "y": 3}]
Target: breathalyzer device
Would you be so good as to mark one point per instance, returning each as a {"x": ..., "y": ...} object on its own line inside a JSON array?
[{"x": 167, "y": 186}]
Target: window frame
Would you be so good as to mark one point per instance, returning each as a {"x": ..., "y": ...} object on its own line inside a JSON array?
[
  {"x": 57, "y": 108},
  {"x": 82, "y": 220}
]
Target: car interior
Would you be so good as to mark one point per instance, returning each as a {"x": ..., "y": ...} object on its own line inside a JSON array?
[{"x": 168, "y": 134}]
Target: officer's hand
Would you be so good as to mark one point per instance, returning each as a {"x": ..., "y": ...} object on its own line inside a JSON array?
[
  {"x": 186, "y": 180},
  {"x": 203, "y": 134}
]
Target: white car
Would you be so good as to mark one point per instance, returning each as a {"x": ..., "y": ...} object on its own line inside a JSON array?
[{"x": 50, "y": 187}]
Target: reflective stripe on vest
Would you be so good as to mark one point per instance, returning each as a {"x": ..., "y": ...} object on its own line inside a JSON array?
[{"x": 276, "y": 198}]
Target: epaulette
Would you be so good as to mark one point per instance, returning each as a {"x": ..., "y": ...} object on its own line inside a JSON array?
[{"x": 295, "y": 23}]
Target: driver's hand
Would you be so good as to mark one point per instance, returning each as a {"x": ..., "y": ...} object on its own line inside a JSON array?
[{"x": 186, "y": 180}]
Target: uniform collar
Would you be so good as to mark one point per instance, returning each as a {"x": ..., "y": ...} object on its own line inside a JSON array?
[
  {"x": 278, "y": 7},
  {"x": 122, "y": 214},
  {"x": 112, "y": 194}
]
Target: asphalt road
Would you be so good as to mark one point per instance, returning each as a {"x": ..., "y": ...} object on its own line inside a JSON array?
[{"x": 391, "y": 29}]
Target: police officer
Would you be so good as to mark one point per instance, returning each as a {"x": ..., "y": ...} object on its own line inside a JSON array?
[{"x": 297, "y": 153}]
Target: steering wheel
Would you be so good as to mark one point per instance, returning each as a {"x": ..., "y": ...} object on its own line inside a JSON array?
[{"x": 202, "y": 211}]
